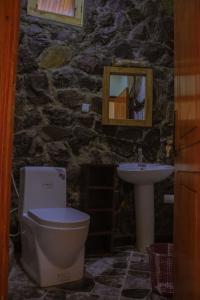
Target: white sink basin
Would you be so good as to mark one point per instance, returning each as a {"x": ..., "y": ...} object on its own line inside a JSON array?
[
  {"x": 144, "y": 177},
  {"x": 147, "y": 174}
]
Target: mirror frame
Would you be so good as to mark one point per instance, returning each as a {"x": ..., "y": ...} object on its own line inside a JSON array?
[{"x": 148, "y": 72}]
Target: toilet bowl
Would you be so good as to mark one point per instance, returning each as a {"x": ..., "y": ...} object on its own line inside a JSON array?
[{"x": 52, "y": 235}]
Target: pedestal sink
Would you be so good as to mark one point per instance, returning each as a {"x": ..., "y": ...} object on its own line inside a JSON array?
[{"x": 143, "y": 176}]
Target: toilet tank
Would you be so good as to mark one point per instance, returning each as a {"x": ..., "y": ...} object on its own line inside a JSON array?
[{"x": 42, "y": 187}]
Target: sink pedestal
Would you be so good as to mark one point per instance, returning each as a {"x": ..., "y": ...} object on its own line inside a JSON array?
[
  {"x": 144, "y": 213},
  {"x": 144, "y": 177}
]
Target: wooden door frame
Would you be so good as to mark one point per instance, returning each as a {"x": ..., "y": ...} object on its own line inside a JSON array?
[{"x": 9, "y": 29}]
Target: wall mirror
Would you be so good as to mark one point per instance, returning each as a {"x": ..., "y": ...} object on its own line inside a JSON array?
[{"x": 127, "y": 96}]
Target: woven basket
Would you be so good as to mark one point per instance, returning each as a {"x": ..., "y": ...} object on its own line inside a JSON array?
[{"x": 162, "y": 267}]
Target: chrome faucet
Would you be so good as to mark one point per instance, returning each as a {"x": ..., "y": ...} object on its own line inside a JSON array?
[
  {"x": 140, "y": 158},
  {"x": 169, "y": 148}
]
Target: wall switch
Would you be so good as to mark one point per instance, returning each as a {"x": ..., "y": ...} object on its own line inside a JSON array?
[
  {"x": 169, "y": 198},
  {"x": 85, "y": 107}
]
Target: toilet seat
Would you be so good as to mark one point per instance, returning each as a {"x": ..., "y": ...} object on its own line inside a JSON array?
[{"x": 59, "y": 217}]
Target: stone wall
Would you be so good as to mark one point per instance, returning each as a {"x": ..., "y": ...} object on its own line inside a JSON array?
[{"x": 60, "y": 67}]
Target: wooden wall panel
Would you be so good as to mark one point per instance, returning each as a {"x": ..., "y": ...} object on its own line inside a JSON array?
[
  {"x": 187, "y": 183},
  {"x": 9, "y": 21},
  {"x": 187, "y": 231}
]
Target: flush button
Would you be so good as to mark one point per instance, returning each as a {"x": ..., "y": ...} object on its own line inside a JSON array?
[{"x": 48, "y": 185}]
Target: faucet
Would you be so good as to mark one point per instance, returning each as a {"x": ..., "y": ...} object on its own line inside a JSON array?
[
  {"x": 140, "y": 158},
  {"x": 168, "y": 148}
]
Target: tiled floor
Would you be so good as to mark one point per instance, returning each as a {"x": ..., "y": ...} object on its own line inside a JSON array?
[{"x": 123, "y": 276}]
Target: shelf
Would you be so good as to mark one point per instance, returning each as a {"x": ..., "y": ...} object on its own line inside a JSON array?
[
  {"x": 100, "y": 233},
  {"x": 99, "y": 210},
  {"x": 99, "y": 244},
  {"x": 98, "y": 174},
  {"x": 98, "y": 187},
  {"x": 98, "y": 199}
]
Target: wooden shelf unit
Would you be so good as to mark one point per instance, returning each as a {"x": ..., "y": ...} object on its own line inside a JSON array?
[{"x": 98, "y": 193}]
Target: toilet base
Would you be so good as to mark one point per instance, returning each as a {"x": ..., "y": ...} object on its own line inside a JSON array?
[{"x": 49, "y": 275}]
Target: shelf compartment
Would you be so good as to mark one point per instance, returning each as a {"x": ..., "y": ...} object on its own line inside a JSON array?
[
  {"x": 101, "y": 175},
  {"x": 91, "y": 210},
  {"x": 99, "y": 244},
  {"x": 100, "y": 199},
  {"x": 101, "y": 221},
  {"x": 100, "y": 233},
  {"x": 98, "y": 187}
]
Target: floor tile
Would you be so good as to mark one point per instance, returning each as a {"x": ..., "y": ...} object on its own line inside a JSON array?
[
  {"x": 112, "y": 281},
  {"x": 108, "y": 298},
  {"x": 113, "y": 272},
  {"x": 99, "y": 266},
  {"x": 154, "y": 296},
  {"x": 136, "y": 293},
  {"x": 123, "y": 275},
  {"x": 84, "y": 285},
  {"x": 120, "y": 264},
  {"x": 139, "y": 274},
  {"x": 104, "y": 290},
  {"x": 82, "y": 296},
  {"x": 133, "y": 282},
  {"x": 55, "y": 295},
  {"x": 142, "y": 266}
]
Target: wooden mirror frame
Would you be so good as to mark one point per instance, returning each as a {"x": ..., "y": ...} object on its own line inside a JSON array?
[{"x": 148, "y": 72}]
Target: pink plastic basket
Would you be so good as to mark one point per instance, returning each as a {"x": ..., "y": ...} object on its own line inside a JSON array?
[{"x": 162, "y": 265}]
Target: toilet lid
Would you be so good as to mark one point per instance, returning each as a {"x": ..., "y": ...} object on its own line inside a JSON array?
[{"x": 59, "y": 217}]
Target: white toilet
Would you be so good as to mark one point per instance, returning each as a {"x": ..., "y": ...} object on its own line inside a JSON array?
[{"x": 52, "y": 235}]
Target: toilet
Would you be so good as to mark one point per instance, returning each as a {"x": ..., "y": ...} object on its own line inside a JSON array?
[{"x": 53, "y": 236}]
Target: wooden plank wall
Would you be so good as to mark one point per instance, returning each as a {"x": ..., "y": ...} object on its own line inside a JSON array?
[
  {"x": 9, "y": 21},
  {"x": 187, "y": 182}
]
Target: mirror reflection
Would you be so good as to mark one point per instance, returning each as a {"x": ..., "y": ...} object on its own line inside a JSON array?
[{"x": 127, "y": 96}]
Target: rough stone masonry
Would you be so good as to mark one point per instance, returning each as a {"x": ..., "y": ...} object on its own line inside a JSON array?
[{"x": 61, "y": 66}]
